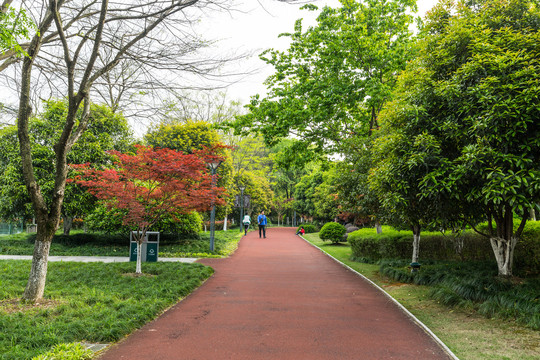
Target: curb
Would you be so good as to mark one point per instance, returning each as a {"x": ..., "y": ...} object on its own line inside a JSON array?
[{"x": 399, "y": 305}]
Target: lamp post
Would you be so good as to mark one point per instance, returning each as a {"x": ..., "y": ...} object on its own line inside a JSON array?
[
  {"x": 242, "y": 188},
  {"x": 213, "y": 167}
]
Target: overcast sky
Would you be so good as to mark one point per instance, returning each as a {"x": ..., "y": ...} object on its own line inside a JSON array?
[{"x": 255, "y": 27}]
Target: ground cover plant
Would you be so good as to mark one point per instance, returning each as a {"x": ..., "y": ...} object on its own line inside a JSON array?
[
  {"x": 97, "y": 244},
  {"x": 93, "y": 302},
  {"x": 470, "y": 335},
  {"x": 473, "y": 285}
]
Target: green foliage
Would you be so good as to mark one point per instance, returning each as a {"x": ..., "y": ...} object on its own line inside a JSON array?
[
  {"x": 110, "y": 221},
  {"x": 472, "y": 285},
  {"x": 14, "y": 27},
  {"x": 467, "y": 246},
  {"x": 309, "y": 228},
  {"x": 333, "y": 232},
  {"x": 184, "y": 137},
  {"x": 100, "y": 244},
  {"x": 106, "y": 131},
  {"x": 96, "y": 302},
  {"x": 465, "y": 118},
  {"x": 334, "y": 78},
  {"x": 72, "y": 351}
]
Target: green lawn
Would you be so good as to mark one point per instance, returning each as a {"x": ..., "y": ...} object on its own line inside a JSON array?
[
  {"x": 91, "y": 244},
  {"x": 92, "y": 302},
  {"x": 469, "y": 335}
]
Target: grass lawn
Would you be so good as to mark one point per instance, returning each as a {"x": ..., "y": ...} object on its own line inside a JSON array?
[
  {"x": 91, "y": 244},
  {"x": 469, "y": 335},
  {"x": 91, "y": 302}
]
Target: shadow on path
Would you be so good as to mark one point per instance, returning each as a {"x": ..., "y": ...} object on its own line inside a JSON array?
[{"x": 280, "y": 298}]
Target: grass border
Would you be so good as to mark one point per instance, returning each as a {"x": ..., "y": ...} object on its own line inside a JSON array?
[{"x": 400, "y": 306}]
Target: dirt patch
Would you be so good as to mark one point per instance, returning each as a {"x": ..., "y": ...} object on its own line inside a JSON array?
[
  {"x": 10, "y": 306},
  {"x": 135, "y": 275},
  {"x": 392, "y": 286}
]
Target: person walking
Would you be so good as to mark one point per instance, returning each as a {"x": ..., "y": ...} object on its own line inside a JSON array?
[
  {"x": 246, "y": 221},
  {"x": 261, "y": 220}
]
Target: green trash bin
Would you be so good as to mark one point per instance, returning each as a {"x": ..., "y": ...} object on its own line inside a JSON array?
[{"x": 149, "y": 247}]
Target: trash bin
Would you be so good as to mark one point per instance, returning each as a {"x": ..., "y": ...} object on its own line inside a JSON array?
[{"x": 149, "y": 247}]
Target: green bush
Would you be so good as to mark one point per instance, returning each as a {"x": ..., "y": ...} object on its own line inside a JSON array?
[
  {"x": 393, "y": 244},
  {"x": 472, "y": 285},
  {"x": 333, "y": 232},
  {"x": 73, "y": 351},
  {"x": 309, "y": 228},
  {"x": 185, "y": 226}
]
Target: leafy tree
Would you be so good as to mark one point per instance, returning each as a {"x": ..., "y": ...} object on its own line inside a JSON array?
[
  {"x": 13, "y": 26},
  {"x": 106, "y": 131},
  {"x": 191, "y": 136},
  {"x": 185, "y": 137},
  {"x": 152, "y": 185},
  {"x": 85, "y": 42},
  {"x": 335, "y": 77},
  {"x": 470, "y": 103}
]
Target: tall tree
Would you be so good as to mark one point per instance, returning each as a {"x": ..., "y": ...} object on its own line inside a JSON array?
[
  {"x": 106, "y": 131},
  {"x": 335, "y": 77},
  {"x": 92, "y": 38},
  {"x": 470, "y": 104},
  {"x": 152, "y": 185}
]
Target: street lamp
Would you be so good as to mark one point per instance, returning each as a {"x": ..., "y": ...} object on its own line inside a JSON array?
[
  {"x": 213, "y": 167},
  {"x": 242, "y": 188}
]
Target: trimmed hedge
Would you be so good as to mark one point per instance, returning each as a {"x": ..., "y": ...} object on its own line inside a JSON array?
[
  {"x": 392, "y": 244},
  {"x": 309, "y": 228}
]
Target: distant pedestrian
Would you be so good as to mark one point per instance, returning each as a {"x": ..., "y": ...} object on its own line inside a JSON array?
[
  {"x": 246, "y": 222},
  {"x": 301, "y": 231},
  {"x": 261, "y": 220}
]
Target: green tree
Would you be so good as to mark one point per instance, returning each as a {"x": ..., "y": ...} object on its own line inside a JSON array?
[
  {"x": 106, "y": 131},
  {"x": 335, "y": 77},
  {"x": 14, "y": 25},
  {"x": 182, "y": 136},
  {"x": 470, "y": 102}
]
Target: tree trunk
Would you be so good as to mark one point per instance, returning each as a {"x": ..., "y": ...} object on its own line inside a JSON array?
[
  {"x": 38, "y": 272},
  {"x": 68, "y": 224},
  {"x": 225, "y": 223},
  {"x": 504, "y": 254},
  {"x": 378, "y": 227},
  {"x": 138, "y": 267},
  {"x": 416, "y": 243},
  {"x": 532, "y": 214}
]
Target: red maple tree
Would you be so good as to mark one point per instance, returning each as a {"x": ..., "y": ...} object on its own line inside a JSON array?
[{"x": 152, "y": 184}]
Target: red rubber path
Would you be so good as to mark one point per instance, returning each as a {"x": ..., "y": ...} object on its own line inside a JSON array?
[{"x": 280, "y": 298}]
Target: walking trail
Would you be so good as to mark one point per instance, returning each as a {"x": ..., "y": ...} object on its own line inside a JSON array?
[{"x": 280, "y": 298}]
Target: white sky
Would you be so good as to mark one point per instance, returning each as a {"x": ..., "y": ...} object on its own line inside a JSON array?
[{"x": 255, "y": 27}]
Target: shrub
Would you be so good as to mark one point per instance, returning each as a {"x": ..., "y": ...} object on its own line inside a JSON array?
[
  {"x": 309, "y": 228},
  {"x": 110, "y": 221},
  {"x": 472, "y": 284},
  {"x": 72, "y": 351},
  {"x": 333, "y": 232}
]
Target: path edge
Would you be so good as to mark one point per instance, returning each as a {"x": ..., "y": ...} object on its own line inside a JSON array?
[{"x": 399, "y": 305}]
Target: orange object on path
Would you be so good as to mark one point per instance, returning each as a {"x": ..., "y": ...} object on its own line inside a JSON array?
[{"x": 280, "y": 298}]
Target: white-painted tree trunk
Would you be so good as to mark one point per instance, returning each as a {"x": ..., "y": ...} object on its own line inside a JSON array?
[
  {"x": 378, "y": 227},
  {"x": 38, "y": 272},
  {"x": 504, "y": 254},
  {"x": 225, "y": 223},
  {"x": 416, "y": 247},
  {"x": 138, "y": 267}
]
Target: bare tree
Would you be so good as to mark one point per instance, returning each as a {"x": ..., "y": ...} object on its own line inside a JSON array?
[{"x": 91, "y": 38}]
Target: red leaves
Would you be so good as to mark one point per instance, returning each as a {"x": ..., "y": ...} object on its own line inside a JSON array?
[{"x": 153, "y": 183}]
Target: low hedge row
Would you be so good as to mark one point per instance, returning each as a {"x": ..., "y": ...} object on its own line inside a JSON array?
[{"x": 392, "y": 244}]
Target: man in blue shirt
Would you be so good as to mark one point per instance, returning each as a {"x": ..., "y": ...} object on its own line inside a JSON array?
[{"x": 261, "y": 220}]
